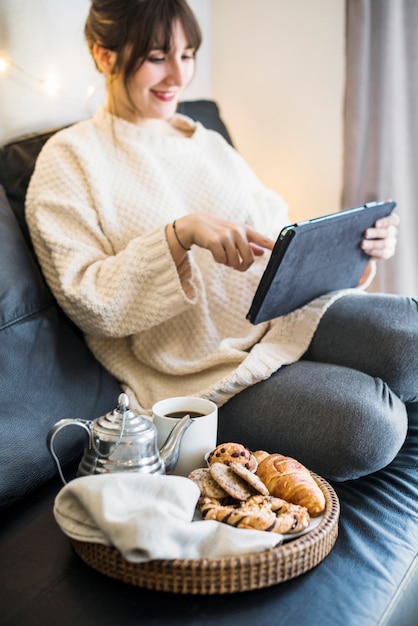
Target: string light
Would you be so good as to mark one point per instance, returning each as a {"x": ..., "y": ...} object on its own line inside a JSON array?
[
  {"x": 51, "y": 84},
  {"x": 4, "y": 64}
]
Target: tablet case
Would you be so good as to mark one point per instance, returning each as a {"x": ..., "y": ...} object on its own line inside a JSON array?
[{"x": 315, "y": 257}]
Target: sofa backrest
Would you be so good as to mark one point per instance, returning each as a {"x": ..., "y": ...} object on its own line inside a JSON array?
[{"x": 46, "y": 370}]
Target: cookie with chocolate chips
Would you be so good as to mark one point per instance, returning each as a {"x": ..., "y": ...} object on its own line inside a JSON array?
[{"x": 228, "y": 453}]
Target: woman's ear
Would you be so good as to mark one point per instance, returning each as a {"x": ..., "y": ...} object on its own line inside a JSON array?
[{"x": 105, "y": 59}]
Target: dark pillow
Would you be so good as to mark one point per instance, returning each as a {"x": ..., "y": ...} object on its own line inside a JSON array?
[
  {"x": 46, "y": 371},
  {"x": 206, "y": 112},
  {"x": 17, "y": 161}
]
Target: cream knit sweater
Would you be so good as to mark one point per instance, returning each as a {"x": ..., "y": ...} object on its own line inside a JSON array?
[{"x": 97, "y": 206}]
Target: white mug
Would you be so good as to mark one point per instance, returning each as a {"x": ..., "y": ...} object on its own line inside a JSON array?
[{"x": 198, "y": 439}]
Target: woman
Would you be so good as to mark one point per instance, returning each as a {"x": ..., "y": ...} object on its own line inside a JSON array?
[{"x": 153, "y": 233}]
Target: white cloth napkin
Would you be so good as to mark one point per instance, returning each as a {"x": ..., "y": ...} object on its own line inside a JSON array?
[{"x": 149, "y": 517}]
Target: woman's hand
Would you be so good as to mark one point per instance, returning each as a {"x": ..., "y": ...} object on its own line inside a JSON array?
[
  {"x": 231, "y": 243},
  {"x": 380, "y": 241}
]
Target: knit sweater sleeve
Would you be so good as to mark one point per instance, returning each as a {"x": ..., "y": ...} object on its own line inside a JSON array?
[{"x": 107, "y": 289}]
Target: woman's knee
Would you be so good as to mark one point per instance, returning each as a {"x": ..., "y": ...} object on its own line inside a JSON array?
[
  {"x": 372, "y": 431},
  {"x": 376, "y": 334},
  {"x": 339, "y": 423}
]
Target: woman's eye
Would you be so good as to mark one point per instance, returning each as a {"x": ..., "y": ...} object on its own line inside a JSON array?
[{"x": 156, "y": 59}]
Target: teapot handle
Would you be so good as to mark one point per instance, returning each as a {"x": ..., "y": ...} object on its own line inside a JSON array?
[{"x": 55, "y": 430}]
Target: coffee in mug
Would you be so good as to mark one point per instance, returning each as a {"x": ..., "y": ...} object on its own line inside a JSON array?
[
  {"x": 198, "y": 439},
  {"x": 179, "y": 414}
]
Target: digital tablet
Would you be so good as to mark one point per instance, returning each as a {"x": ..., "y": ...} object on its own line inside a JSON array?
[{"x": 315, "y": 257}]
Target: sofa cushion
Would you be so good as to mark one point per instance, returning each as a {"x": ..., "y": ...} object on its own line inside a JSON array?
[{"x": 46, "y": 371}]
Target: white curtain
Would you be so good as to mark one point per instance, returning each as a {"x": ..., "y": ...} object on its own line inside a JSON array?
[{"x": 381, "y": 124}]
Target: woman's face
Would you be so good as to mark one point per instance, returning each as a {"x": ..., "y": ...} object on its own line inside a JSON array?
[{"x": 157, "y": 85}]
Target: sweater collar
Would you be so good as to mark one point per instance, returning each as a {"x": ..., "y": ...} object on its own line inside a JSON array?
[{"x": 122, "y": 128}]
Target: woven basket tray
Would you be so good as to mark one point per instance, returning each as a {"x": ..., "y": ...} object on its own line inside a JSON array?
[{"x": 227, "y": 574}]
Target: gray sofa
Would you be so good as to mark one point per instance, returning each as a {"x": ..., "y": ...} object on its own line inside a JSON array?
[{"x": 46, "y": 372}]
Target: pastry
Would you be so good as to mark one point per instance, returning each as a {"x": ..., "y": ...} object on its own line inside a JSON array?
[
  {"x": 212, "y": 488},
  {"x": 227, "y": 453},
  {"x": 233, "y": 484},
  {"x": 252, "y": 479},
  {"x": 258, "y": 512},
  {"x": 260, "y": 455},
  {"x": 290, "y": 518},
  {"x": 197, "y": 476},
  {"x": 297, "y": 517},
  {"x": 231, "y": 476},
  {"x": 211, "y": 508},
  {"x": 286, "y": 478},
  {"x": 206, "y": 483}
]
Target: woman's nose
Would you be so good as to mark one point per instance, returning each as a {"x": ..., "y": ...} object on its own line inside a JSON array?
[{"x": 175, "y": 75}]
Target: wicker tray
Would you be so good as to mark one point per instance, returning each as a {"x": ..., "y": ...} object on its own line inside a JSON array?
[{"x": 228, "y": 574}]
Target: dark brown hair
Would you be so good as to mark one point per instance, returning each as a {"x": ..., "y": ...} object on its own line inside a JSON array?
[{"x": 132, "y": 28}]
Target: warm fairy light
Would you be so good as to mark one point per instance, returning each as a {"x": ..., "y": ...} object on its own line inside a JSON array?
[
  {"x": 4, "y": 64},
  {"x": 51, "y": 85}
]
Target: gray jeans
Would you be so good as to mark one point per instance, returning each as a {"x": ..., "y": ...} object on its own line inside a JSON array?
[{"x": 342, "y": 410}]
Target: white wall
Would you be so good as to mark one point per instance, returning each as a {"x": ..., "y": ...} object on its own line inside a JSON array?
[
  {"x": 44, "y": 38},
  {"x": 201, "y": 85},
  {"x": 278, "y": 73}
]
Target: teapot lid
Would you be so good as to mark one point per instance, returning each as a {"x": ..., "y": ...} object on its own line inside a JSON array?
[{"x": 124, "y": 420}]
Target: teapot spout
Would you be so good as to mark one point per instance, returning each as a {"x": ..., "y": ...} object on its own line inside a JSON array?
[{"x": 170, "y": 450}]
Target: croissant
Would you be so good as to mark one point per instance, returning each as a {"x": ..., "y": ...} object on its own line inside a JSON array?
[
  {"x": 286, "y": 478},
  {"x": 260, "y": 455}
]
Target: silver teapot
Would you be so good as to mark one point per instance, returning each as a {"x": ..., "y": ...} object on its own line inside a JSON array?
[{"x": 123, "y": 441}]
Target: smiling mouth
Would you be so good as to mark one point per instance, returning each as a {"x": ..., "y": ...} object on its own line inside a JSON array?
[{"x": 165, "y": 96}]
